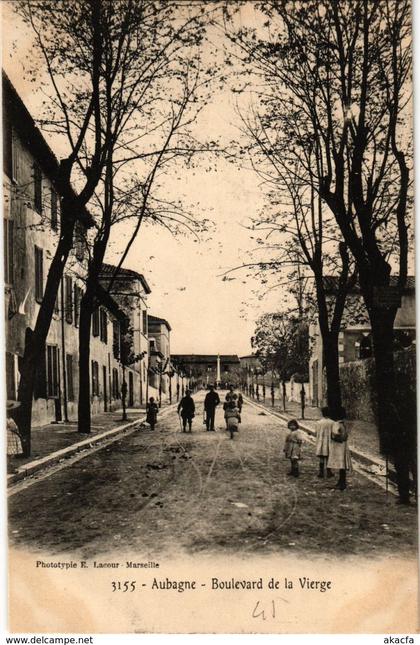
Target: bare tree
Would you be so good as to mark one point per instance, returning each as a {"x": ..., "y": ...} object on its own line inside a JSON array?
[
  {"x": 342, "y": 69},
  {"x": 108, "y": 63},
  {"x": 300, "y": 232}
]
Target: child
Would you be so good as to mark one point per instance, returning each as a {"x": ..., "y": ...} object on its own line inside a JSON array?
[
  {"x": 232, "y": 416},
  {"x": 339, "y": 457},
  {"x": 152, "y": 412},
  {"x": 323, "y": 434},
  {"x": 14, "y": 443},
  {"x": 293, "y": 446}
]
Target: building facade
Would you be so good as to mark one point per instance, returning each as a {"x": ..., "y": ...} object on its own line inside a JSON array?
[
  {"x": 118, "y": 343},
  {"x": 201, "y": 370},
  {"x": 160, "y": 366}
]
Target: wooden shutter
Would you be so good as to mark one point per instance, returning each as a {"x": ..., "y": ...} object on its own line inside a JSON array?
[
  {"x": 70, "y": 380},
  {"x": 69, "y": 299},
  {"x": 39, "y": 274}
]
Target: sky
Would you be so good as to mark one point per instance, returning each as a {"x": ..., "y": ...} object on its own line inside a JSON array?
[{"x": 207, "y": 314}]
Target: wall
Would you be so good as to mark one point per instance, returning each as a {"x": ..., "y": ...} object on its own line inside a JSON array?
[{"x": 358, "y": 388}]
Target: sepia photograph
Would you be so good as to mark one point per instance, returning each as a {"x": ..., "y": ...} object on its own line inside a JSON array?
[{"x": 210, "y": 318}]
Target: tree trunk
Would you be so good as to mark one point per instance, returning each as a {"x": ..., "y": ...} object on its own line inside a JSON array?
[
  {"x": 332, "y": 369},
  {"x": 394, "y": 432},
  {"x": 83, "y": 411},
  {"x": 35, "y": 341}
]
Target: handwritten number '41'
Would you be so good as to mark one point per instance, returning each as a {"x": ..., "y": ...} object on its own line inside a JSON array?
[{"x": 261, "y": 612}]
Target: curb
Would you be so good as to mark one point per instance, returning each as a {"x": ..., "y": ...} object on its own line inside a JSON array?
[{"x": 42, "y": 463}]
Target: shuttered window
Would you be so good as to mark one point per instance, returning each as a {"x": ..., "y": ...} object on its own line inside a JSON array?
[
  {"x": 53, "y": 372},
  {"x": 95, "y": 322},
  {"x": 103, "y": 318},
  {"x": 39, "y": 274},
  {"x": 95, "y": 378},
  {"x": 69, "y": 374},
  {"x": 77, "y": 299},
  {"x": 115, "y": 388},
  {"x": 69, "y": 299}
]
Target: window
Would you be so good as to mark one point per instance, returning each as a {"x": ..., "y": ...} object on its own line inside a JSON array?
[
  {"x": 8, "y": 250},
  {"x": 53, "y": 372},
  {"x": 39, "y": 274},
  {"x": 95, "y": 322},
  {"x": 152, "y": 343},
  {"x": 69, "y": 375},
  {"x": 145, "y": 323},
  {"x": 103, "y": 321},
  {"x": 116, "y": 338},
  {"x": 69, "y": 299},
  {"x": 54, "y": 210},
  {"x": 115, "y": 388},
  {"x": 37, "y": 188},
  {"x": 95, "y": 378},
  {"x": 77, "y": 299}
]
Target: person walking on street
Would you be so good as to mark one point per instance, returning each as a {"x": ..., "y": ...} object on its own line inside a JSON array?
[
  {"x": 152, "y": 410},
  {"x": 235, "y": 396},
  {"x": 339, "y": 457},
  {"x": 293, "y": 446},
  {"x": 211, "y": 401},
  {"x": 233, "y": 417},
  {"x": 186, "y": 408},
  {"x": 322, "y": 442}
]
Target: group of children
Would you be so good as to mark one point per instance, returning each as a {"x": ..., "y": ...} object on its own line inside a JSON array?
[{"x": 331, "y": 446}]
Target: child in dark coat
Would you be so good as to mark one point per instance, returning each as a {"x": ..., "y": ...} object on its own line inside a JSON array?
[{"x": 152, "y": 410}]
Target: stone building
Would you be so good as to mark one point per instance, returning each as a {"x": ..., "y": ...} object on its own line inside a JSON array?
[
  {"x": 200, "y": 370},
  {"x": 130, "y": 290},
  {"x": 31, "y": 229}
]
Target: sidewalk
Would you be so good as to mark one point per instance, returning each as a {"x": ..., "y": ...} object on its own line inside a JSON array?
[{"x": 57, "y": 441}]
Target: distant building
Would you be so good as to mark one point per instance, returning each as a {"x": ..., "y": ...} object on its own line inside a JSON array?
[
  {"x": 130, "y": 290},
  {"x": 160, "y": 355},
  {"x": 201, "y": 369},
  {"x": 355, "y": 339}
]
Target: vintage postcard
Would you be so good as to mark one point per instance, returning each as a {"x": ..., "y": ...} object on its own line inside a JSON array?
[{"x": 210, "y": 356}]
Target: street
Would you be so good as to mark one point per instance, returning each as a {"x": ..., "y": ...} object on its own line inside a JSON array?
[{"x": 169, "y": 493}]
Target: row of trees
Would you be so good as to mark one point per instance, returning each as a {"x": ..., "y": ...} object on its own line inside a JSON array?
[
  {"x": 125, "y": 88},
  {"x": 327, "y": 134}
]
